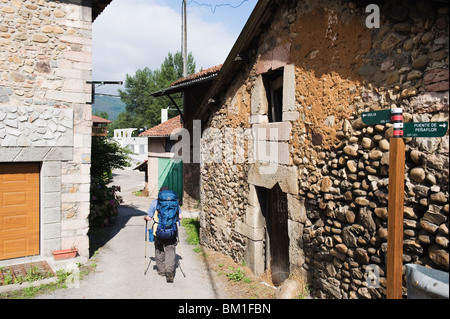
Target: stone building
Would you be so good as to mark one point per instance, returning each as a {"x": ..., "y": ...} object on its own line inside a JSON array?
[
  {"x": 291, "y": 180},
  {"x": 45, "y": 125},
  {"x": 100, "y": 126}
]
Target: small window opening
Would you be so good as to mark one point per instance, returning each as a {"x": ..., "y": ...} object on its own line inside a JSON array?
[
  {"x": 273, "y": 82},
  {"x": 170, "y": 145}
]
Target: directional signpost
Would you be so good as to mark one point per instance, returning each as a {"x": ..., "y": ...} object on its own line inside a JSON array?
[
  {"x": 413, "y": 129},
  {"x": 426, "y": 129},
  {"x": 397, "y": 185},
  {"x": 376, "y": 117}
]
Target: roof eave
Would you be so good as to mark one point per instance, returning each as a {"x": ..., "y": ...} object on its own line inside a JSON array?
[
  {"x": 259, "y": 15},
  {"x": 155, "y": 136},
  {"x": 98, "y": 6},
  {"x": 180, "y": 87}
]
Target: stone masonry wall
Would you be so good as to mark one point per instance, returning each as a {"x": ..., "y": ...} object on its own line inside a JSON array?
[
  {"x": 343, "y": 68},
  {"x": 224, "y": 188},
  {"x": 45, "y": 61}
]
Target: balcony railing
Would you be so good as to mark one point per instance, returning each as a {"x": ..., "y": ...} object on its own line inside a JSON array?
[{"x": 99, "y": 130}]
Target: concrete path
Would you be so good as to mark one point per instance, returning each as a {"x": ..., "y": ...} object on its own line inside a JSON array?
[{"x": 120, "y": 262}]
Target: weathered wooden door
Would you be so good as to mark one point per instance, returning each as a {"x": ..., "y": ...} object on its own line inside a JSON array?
[
  {"x": 19, "y": 210},
  {"x": 278, "y": 232},
  {"x": 274, "y": 207}
]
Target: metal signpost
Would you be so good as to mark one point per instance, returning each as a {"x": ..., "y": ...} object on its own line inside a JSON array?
[{"x": 397, "y": 185}]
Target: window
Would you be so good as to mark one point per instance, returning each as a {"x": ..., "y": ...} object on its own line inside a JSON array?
[
  {"x": 170, "y": 144},
  {"x": 273, "y": 83}
]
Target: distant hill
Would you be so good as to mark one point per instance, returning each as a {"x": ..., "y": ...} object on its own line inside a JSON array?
[{"x": 111, "y": 105}]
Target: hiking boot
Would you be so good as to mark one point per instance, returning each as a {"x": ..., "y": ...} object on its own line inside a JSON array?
[
  {"x": 162, "y": 273},
  {"x": 169, "y": 277}
]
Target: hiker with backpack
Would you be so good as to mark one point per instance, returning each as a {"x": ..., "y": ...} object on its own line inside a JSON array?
[{"x": 166, "y": 212}]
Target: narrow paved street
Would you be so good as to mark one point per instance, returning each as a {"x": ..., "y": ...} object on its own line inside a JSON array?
[{"x": 120, "y": 262}]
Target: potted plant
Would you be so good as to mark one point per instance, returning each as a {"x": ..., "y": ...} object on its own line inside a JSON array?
[{"x": 65, "y": 253}]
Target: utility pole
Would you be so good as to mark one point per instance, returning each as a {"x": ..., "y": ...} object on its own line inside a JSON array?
[{"x": 184, "y": 31}]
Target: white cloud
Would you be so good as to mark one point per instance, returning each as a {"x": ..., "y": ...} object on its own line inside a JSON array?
[
  {"x": 133, "y": 34},
  {"x": 210, "y": 43}
]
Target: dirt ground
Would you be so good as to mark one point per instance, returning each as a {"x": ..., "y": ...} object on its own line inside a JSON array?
[{"x": 249, "y": 287}]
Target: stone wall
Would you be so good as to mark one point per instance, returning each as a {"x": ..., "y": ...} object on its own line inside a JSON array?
[
  {"x": 191, "y": 187},
  {"x": 36, "y": 127},
  {"x": 223, "y": 186},
  {"x": 45, "y": 61},
  {"x": 338, "y": 207}
]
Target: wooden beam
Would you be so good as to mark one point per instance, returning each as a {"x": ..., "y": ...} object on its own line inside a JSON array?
[
  {"x": 175, "y": 104},
  {"x": 395, "y": 218}
]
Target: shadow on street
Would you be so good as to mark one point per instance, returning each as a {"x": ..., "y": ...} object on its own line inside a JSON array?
[{"x": 100, "y": 236}]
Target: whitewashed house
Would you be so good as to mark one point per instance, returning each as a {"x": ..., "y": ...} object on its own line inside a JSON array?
[{"x": 137, "y": 144}]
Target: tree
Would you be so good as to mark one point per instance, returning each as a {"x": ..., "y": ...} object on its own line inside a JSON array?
[
  {"x": 106, "y": 156},
  {"x": 143, "y": 109},
  {"x": 103, "y": 115}
]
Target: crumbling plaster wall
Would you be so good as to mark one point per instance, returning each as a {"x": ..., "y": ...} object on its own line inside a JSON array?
[{"x": 338, "y": 209}]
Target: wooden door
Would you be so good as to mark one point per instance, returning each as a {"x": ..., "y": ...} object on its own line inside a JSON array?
[
  {"x": 274, "y": 207},
  {"x": 170, "y": 174},
  {"x": 19, "y": 210},
  {"x": 278, "y": 233}
]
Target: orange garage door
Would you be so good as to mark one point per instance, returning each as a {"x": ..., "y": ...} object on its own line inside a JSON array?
[{"x": 19, "y": 210}]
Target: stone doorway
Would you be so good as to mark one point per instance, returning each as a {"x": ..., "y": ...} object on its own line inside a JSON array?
[
  {"x": 274, "y": 207},
  {"x": 277, "y": 192}
]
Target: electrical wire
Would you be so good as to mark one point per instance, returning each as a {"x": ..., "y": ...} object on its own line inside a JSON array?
[
  {"x": 214, "y": 7},
  {"x": 104, "y": 94}
]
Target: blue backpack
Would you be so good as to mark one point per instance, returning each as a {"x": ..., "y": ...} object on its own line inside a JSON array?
[{"x": 168, "y": 209}]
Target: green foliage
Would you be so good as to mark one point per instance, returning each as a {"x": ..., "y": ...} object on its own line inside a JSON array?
[
  {"x": 143, "y": 110},
  {"x": 106, "y": 156},
  {"x": 104, "y": 202},
  {"x": 192, "y": 227},
  {"x": 32, "y": 274},
  {"x": 103, "y": 114},
  {"x": 112, "y": 106},
  {"x": 235, "y": 275},
  {"x": 197, "y": 249}
]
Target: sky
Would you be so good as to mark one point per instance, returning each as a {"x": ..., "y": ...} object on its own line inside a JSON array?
[{"x": 134, "y": 34}]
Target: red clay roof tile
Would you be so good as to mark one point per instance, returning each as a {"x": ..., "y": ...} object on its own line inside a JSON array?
[{"x": 164, "y": 129}]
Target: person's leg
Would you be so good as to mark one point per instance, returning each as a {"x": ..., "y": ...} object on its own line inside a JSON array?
[
  {"x": 170, "y": 255},
  {"x": 160, "y": 256}
]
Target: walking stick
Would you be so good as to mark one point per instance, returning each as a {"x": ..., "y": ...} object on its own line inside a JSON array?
[
  {"x": 145, "y": 255},
  {"x": 178, "y": 236},
  {"x": 181, "y": 257}
]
